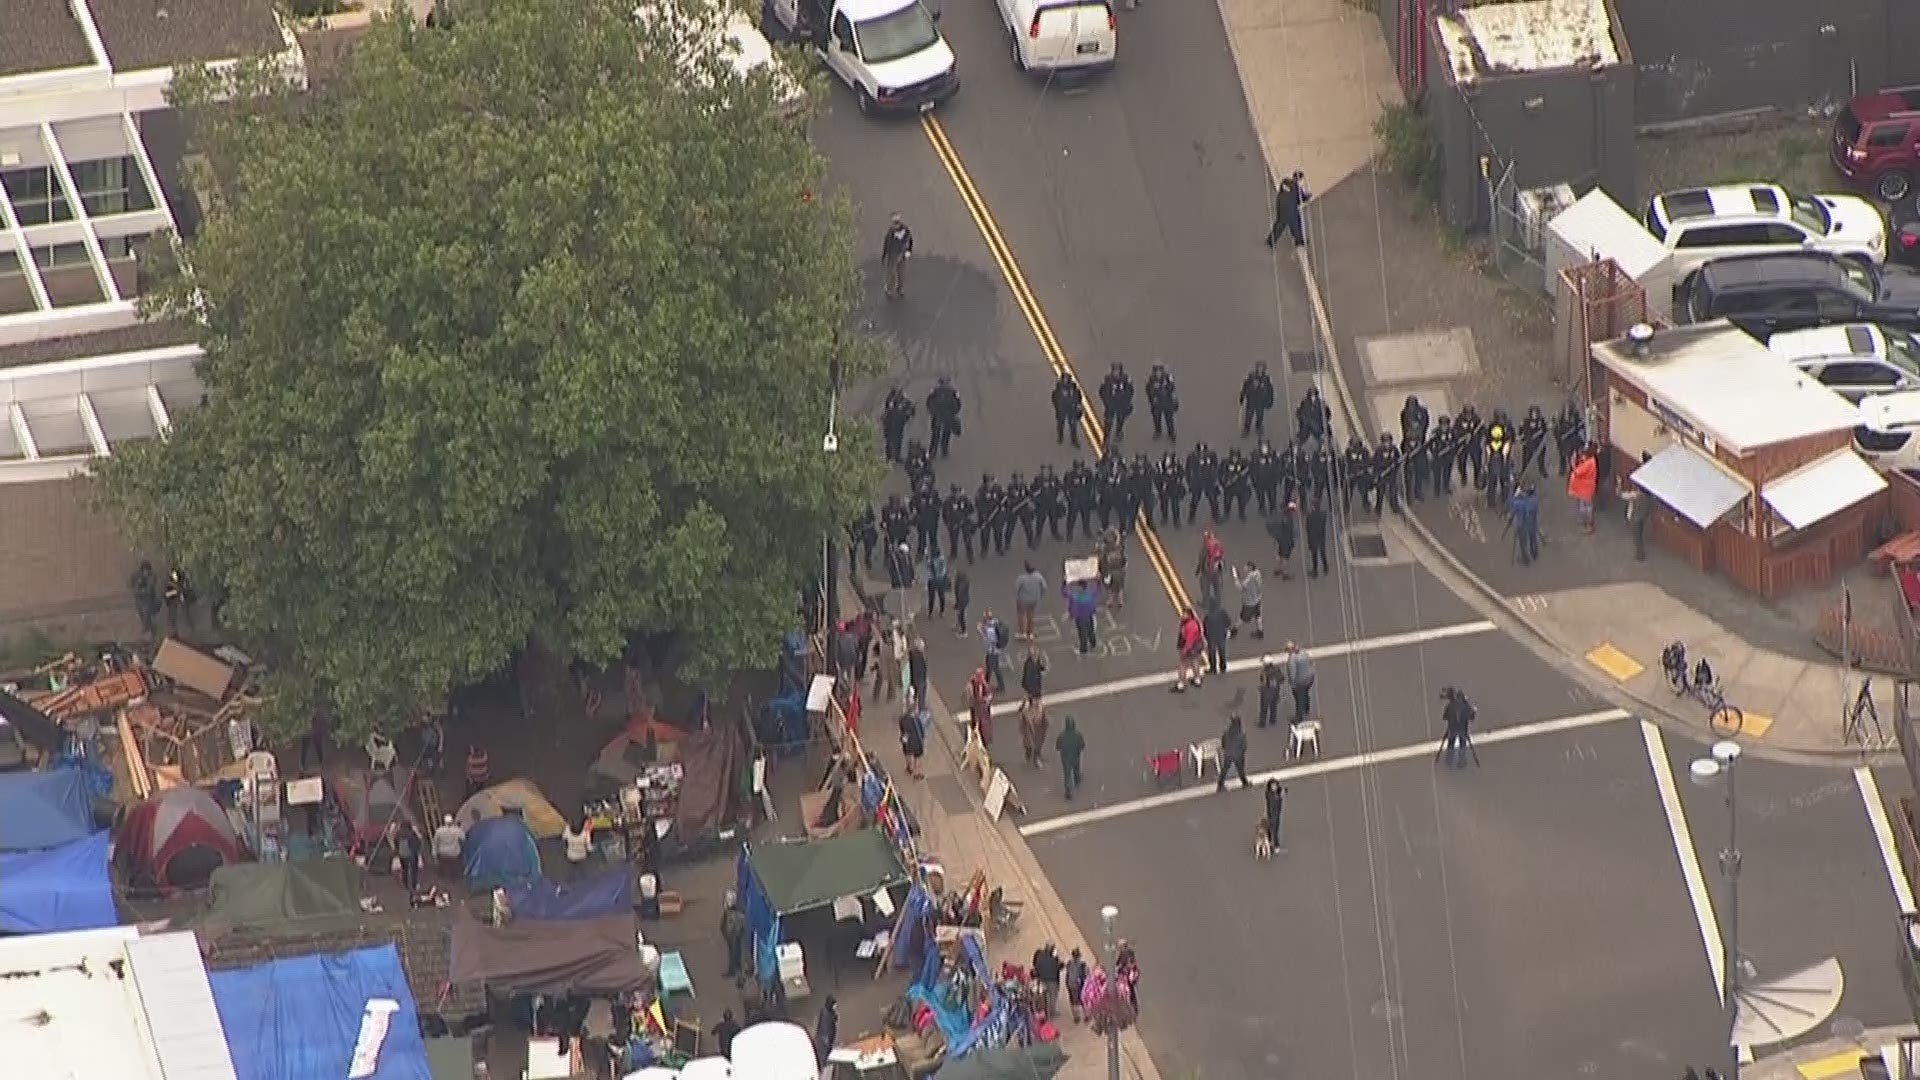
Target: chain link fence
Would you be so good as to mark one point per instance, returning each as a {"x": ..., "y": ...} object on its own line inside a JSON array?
[{"x": 1519, "y": 229}]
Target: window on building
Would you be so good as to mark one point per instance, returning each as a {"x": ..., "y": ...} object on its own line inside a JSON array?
[
  {"x": 106, "y": 187},
  {"x": 36, "y": 196}
]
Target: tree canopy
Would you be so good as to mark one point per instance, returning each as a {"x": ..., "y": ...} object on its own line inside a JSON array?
[{"x": 518, "y": 331}]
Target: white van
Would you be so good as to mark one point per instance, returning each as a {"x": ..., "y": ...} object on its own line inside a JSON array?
[
  {"x": 1059, "y": 36},
  {"x": 888, "y": 52},
  {"x": 774, "y": 1050}
]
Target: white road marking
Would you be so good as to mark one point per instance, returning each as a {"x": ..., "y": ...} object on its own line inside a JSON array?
[
  {"x": 1883, "y": 832},
  {"x": 1321, "y": 768},
  {"x": 1252, "y": 663},
  {"x": 1689, "y": 860}
]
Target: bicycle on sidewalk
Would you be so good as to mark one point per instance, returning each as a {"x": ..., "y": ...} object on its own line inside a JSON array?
[{"x": 1703, "y": 686}]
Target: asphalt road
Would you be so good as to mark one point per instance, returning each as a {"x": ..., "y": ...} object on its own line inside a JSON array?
[{"x": 1529, "y": 916}]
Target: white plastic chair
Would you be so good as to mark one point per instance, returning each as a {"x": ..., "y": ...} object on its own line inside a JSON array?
[
  {"x": 381, "y": 752},
  {"x": 1202, "y": 752},
  {"x": 1304, "y": 734}
]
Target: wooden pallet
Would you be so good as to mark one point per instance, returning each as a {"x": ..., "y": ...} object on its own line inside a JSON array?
[
  {"x": 98, "y": 696},
  {"x": 427, "y": 793}
]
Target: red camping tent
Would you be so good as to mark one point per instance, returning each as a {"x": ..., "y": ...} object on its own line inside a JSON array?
[{"x": 176, "y": 840}]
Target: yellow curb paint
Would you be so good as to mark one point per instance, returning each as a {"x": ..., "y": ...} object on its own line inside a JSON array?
[
  {"x": 1827, "y": 1068},
  {"x": 1615, "y": 663},
  {"x": 1754, "y": 726}
]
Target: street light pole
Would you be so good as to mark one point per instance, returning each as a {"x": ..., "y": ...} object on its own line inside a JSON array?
[
  {"x": 1709, "y": 772},
  {"x": 829, "y": 572},
  {"x": 1109, "y": 950}
]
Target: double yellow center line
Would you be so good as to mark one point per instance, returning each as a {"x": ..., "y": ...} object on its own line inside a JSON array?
[{"x": 1002, "y": 253}]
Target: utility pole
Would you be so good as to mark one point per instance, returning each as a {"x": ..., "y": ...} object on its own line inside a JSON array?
[
  {"x": 1712, "y": 771},
  {"x": 1109, "y": 949}
]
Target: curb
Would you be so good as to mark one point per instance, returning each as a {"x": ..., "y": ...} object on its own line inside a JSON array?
[
  {"x": 1472, "y": 587},
  {"x": 1135, "y": 1060}
]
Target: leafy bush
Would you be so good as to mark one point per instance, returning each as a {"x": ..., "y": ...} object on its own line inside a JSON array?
[
  {"x": 1409, "y": 147},
  {"x": 314, "y": 9}
]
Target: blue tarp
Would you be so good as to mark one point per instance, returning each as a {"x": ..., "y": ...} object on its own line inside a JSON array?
[
  {"x": 299, "y": 1019},
  {"x": 500, "y": 851},
  {"x": 1000, "y": 1025},
  {"x": 63, "y": 888},
  {"x": 45, "y": 809},
  {"x": 610, "y": 893},
  {"x": 763, "y": 923}
]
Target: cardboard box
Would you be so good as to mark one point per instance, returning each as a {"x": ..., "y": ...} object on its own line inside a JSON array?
[{"x": 670, "y": 903}]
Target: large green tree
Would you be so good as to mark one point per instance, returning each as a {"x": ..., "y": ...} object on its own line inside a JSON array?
[{"x": 518, "y": 331}]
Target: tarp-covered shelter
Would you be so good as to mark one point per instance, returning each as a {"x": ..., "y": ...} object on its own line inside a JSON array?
[
  {"x": 266, "y": 894},
  {"x": 370, "y": 800},
  {"x": 610, "y": 893},
  {"x": 588, "y": 956},
  {"x": 62, "y": 888},
  {"x": 1040, "y": 1061},
  {"x": 176, "y": 840},
  {"x": 45, "y": 809},
  {"x": 711, "y": 759},
  {"x": 777, "y": 879},
  {"x": 500, "y": 851},
  {"x": 520, "y": 796},
  {"x": 304, "y": 1017}
]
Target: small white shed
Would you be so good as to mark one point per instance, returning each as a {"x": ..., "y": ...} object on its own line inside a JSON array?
[{"x": 1596, "y": 227}]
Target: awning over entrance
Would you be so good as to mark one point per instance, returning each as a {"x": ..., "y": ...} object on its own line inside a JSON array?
[
  {"x": 1690, "y": 485},
  {"x": 1816, "y": 492}
]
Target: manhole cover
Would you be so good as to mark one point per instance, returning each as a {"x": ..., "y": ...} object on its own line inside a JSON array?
[
  {"x": 1303, "y": 361},
  {"x": 1367, "y": 546}
]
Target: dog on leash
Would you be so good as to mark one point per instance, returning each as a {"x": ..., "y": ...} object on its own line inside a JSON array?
[{"x": 1262, "y": 843}]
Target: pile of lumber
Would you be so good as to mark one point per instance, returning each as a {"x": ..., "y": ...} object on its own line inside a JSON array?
[{"x": 180, "y": 733}]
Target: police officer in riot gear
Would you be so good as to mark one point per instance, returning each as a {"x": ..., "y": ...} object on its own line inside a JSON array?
[
  {"x": 1356, "y": 468},
  {"x": 1498, "y": 454},
  {"x": 1569, "y": 433},
  {"x": 989, "y": 502},
  {"x": 919, "y": 464},
  {"x": 1442, "y": 446},
  {"x": 1533, "y": 443},
  {"x": 863, "y": 534},
  {"x": 1110, "y": 483},
  {"x": 1256, "y": 397},
  {"x": 1265, "y": 465},
  {"x": 1317, "y": 471},
  {"x": 957, "y": 514},
  {"x": 895, "y": 414},
  {"x": 1413, "y": 420},
  {"x": 1236, "y": 483},
  {"x": 1048, "y": 507},
  {"x": 1470, "y": 439},
  {"x": 1313, "y": 417},
  {"x": 1019, "y": 511},
  {"x": 1287, "y": 474},
  {"x": 925, "y": 507},
  {"x": 943, "y": 415},
  {"x": 1116, "y": 401},
  {"x": 1170, "y": 483},
  {"x": 1203, "y": 481},
  {"x": 1067, "y": 408},
  {"x": 896, "y": 522},
  {"x": 1140, "y": 490},
  {"x": 1082, "y": 496},
  {"x": 1162, "y": 401},
  {"x": 1386, "y": 474},
  {"x": 1416, "y": 462}
]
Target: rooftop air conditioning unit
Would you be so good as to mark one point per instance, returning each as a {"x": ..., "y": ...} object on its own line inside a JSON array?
[{"x": 1537, "y": 206}]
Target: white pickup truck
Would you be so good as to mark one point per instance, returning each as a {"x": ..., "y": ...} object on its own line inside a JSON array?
[{"x": 889, "y": 52}]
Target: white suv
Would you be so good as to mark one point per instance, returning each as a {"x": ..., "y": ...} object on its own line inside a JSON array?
[
  {"x": 1857, "y": 360},
  {"x": 1702, "y": 224},
  {"x": 1886, "y": 435}
]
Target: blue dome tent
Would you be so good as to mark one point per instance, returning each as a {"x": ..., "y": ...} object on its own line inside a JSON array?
[{"x": 500, "y": 851}]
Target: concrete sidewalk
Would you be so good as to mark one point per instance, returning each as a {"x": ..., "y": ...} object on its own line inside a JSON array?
[
  {"x": 1828, "y": 1059},
  {"x": 956, "y": 832}
]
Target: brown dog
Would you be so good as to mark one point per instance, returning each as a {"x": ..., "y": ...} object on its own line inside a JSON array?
[{"x": 1262, "y": 845}]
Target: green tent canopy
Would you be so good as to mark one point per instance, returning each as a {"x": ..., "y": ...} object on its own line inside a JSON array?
[
  {"x": 250, "y": 895},
  {"x": 799, "y": 877}
]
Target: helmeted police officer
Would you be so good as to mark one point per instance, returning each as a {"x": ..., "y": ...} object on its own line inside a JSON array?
[
  {"x": 943, "y": 415},
  {"x": 1256, "y": 397},
  {"x": 1170, "y": 483},
  {"x": 1116, "y": 401},
  {"x": 989, "y": 503},
  {"x": 1162, "y": 401},
  {"x": 1082, "y": 497},
  {"x": 895, "y": 414},
  {"x": 896, "y": 522},
  {"x": 1386, "y": 474},
  {"x": 1203, "y": 481},
  {"x": 1048, "y": 505},
  {"x": 925, "y": 507},
  {"x": 1019, "y": 511},
  {"x": 1313, "y": 417},
  {"x": 1236, "y": 483},
  {"x": 863, "y": 534},
  {"x": 1139, "y": 490},
  {"x": 1356, "y": 468},
  {"x": 1265, "y": 466},
  {"x": 1413, "y": 420},
  {"x": 1067, "y": 408},
  {"x": 1533, "y": 442},
  {"x": 957, "y": 514}
]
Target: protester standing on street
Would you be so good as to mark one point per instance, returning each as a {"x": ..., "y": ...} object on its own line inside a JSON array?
[
  {"x": 1525, "y": 513},
  {"x": 1276, "y": 799},
  {"x": 1033, "y": 730},
  {"x": 449, "y": 840},
  {"x": 1271, "y": 681},
  {"x": 1126, "y": 969},
  {"x": 962, "y": 596},
  {"x": 1033, "y": 674},
  {"x": 1233, "y": 754},
  {"x": 939, "y": 583},
  {"x": 1582, "y": 483},
  {"x": 913, "y": 742},
  {"x": 993, "y": 645},
  {"x": 1299, "y": 669},
  {"x": 980, "y": 706},
  {"x": 917, "y": 670},
  {"x": 1283, "y": 532},
  {"x": 1028, "y": 590},
  {"x": 896, "y": 247},
  {"x": 1070, "y": 745},
  {"x": 1217, "y": 627},
  {"x": 1639, "y": 509},
  {"x": 1317, "y": 539},
  {"x": 1250, "y": 588},
  {"x": 1458, "y": 715},
  {"x": 1083, "y": 605},
  {"x": 1189, "y": 640},
  {"x": 1076, "y": 978},
  {"x": 1046, "y": 971}
]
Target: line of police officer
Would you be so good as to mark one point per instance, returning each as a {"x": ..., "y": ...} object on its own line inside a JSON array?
[{"x": 1494, "y": 455}]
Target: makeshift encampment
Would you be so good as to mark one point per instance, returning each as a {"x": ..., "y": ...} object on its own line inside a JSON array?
[
  {"x": 322, "y": 1017},
  {"x": 698, "y": 797},
  {"x": 63, "y": 888},
  {"x": 797, "y": 877},
  {"x": 370, "y": 801},
  {"x": 610, "y": 893},
  {"x": 521, "y": 796},
  {"x": 500, "y": 851},
  {"x": 264, "y": 894},
  {"x": 45, "y": 809},
  {"x": 176, "y": 840},
  {"x": 775, "y": 1050},
  {"x": 587, "y": 956},
  {"x": 1039, "y": 1061}
]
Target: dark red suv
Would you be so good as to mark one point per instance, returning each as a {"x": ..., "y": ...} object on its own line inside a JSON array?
[{"x": 1876, "y": 141}]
